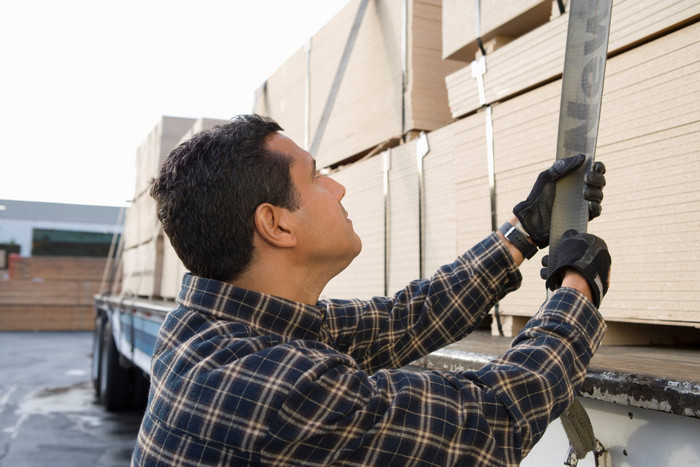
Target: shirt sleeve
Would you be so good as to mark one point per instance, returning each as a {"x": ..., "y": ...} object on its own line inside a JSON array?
[
  {"x": 493, "y": 416},
  {"x": 390, "y": 332}
]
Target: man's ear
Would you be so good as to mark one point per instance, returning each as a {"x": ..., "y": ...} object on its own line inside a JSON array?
[{"x": 273, "y": 225}]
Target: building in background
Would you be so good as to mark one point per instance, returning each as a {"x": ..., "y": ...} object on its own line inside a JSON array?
[{"x": 54, "y": 229}]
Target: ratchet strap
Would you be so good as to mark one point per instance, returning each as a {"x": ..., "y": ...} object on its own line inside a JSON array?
[{"x": 579, "y": 115}]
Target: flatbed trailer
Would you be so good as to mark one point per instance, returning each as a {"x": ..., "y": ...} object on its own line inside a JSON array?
[{"x": 643, "y": 402}]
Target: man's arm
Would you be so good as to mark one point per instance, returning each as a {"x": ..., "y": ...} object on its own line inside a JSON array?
[
  {"x": 572, "y": 278},
  {"x": 389, "y": 332},
  {"x": 493, "y": 416}
]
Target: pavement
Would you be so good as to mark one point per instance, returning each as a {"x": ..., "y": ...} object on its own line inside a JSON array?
[{"x": 49, "y": 415}]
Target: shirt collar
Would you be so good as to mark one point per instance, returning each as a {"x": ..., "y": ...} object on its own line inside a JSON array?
[{"x": 266, "y": 314}]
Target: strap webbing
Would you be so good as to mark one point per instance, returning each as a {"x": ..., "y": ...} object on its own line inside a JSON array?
[{"x": 579, "y": 115}]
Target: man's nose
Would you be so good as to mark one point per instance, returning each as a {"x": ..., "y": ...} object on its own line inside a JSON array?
[{"x": 336, "y": 188}]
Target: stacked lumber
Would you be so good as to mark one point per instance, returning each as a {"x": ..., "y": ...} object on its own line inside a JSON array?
[
  {"x": 142, "y": 239},
  {"x": 648, "y": 138},
  {"x": 415, "y": 213},
  {"x": 50, "y": 293},
  {"x": 650, "y": 146},
  {"x": 537, "y": 57},
  {"x": 375, "y": 101},
  {"x": 150, "y": 267}
]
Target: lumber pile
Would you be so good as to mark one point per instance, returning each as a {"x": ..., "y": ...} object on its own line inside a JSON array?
[
  {"x": 148, "y": 261},
  {"x": 648, "y": 138},
  {"x": 50, "y": 293},
  {"x": 383, "y": 92},
  {"x": 537, "y": 57},
  {"x": 486, "y": 148}
]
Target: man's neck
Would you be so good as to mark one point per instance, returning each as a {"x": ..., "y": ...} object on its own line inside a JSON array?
[{"x": 281, "y": 281}]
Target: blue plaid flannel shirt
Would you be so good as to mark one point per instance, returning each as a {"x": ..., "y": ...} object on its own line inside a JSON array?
[{"x": 243, "y": 378}]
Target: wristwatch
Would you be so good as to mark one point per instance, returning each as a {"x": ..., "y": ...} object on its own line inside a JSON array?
[{"x": 517, "y": 236}]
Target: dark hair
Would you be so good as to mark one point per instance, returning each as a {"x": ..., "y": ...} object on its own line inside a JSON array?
[{"x": 209, "y": 188}]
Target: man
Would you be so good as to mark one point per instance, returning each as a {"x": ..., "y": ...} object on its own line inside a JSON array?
[{"x": 251, "y": 368}]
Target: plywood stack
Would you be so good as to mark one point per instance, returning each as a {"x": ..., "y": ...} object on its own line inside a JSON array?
[
  {"x": 537, "y": 57},
  {"x": 142, "y": 239},
  {"x": 648, "y": 138},
  {"x": 486, "y": 149},
  {"x": 150, "y": 267},
  {"x": 375, "y": 101},
  {"x": 650, "y": 146},
  {"x": 50, "y": 293}
]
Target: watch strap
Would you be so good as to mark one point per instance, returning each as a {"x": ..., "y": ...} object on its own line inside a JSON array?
[{"x": 514, "y": 236}]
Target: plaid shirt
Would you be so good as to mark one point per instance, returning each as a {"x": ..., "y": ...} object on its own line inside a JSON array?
[{"x": 241, "y": 378}]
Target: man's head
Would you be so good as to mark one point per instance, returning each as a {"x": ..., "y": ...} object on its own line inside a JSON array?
[
  {"x": 243, "y": 184},
  {"x": 210, "y": 186}
]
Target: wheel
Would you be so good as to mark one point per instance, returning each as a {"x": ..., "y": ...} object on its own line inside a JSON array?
[
  {"x": 115, "y": 380},
  {"x": 97, "y": 353}
]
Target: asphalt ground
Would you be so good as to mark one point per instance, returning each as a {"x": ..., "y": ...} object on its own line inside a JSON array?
[{"x": 49, "y": 415}]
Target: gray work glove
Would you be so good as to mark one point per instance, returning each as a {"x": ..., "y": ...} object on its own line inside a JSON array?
[
  {"x": 535, "y": 213},
  {"x": 588, "y": 255}
]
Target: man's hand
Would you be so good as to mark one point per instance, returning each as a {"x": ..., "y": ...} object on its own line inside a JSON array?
[
  {"x": 535, "y": 213},
  {"x": 589, "y": 256}
]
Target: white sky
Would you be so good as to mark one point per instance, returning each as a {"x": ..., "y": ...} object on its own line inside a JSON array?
[{"x": 82, "y": 82}]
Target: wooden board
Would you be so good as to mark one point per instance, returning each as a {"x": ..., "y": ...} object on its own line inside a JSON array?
[
  {"x": 23, "y": 292},
  {"x": 538, "y": 57},
  {"x": 57, "y": 268},
  {"x": 46, "y": 318}
]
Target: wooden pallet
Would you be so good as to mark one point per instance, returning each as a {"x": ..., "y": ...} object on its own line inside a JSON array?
[{"x": 619, "y": 332}]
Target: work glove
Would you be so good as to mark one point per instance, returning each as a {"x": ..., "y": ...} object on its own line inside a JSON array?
[
  {"x": 535, "y": 213},
  {"x": 588, "y": 255}
]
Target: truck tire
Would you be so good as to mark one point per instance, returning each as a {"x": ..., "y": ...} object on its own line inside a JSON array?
[
  {"x": 115, "y": 380},
  {"x": 97, "y": 353}
]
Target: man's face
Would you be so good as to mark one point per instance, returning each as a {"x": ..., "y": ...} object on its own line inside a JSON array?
[{"x": 325, "y": 235}]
